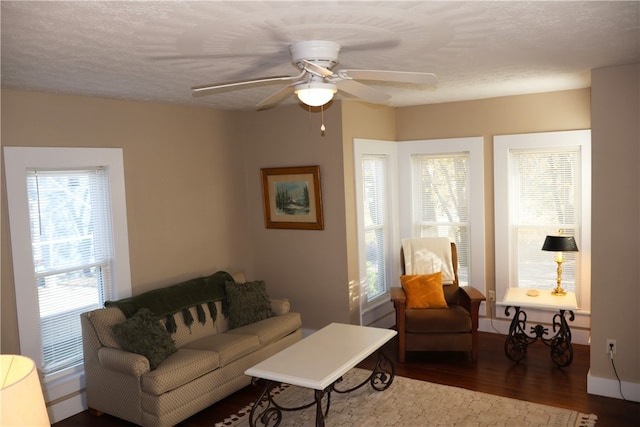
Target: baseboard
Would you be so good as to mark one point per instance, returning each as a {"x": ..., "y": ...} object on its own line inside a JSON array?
[
  {"x": 67, "y": 408},
  {"x": 611, "y": 388}
]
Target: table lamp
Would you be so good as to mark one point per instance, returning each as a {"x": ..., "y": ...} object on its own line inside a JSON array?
[
  {"x": 21, "y": 399},
  {"x": 559, "y": 244}
]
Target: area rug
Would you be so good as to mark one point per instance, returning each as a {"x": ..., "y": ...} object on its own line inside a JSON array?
[{"x": 409, "y": 402}]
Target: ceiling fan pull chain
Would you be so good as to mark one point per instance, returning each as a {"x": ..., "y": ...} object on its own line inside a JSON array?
[{"x": 322, "y": 128}]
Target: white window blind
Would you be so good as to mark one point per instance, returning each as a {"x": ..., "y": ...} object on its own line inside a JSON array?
[
  {"x": 375, "y": 222},
  {"x": 546, "y": 192},
  {"x": 71, "y": 240},
  {"x": 441, "y": 202}
]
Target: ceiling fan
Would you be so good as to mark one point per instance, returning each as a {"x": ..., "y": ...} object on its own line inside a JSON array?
[{"x": 316, "y": 83}]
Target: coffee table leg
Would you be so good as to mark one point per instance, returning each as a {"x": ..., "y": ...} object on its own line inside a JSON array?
[
  {"x": 383, "y": 373},
  {"x": 380, "y": 379},
  {"x": 266, "y": 414},
  {"x": 320, "y": 414}
]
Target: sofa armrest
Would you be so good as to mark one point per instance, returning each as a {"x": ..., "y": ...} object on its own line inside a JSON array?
[
  {"x": 470, "y": 299},
  {"x": 398, "y": 296},
  {"x": 123, "y": 361},
  {"x": 280, "y": 306},
  {"x": 399, "y": 299}
]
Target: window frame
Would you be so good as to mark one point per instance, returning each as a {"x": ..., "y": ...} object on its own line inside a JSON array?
[
  {"x": 505, "y": 250},
  {"x": 17, "y": 160},
  {"x": 387, "y": 149},
  {"x": 474, "y": 146}
]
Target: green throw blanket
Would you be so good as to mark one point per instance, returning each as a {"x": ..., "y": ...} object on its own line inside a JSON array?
[{"x": 166, "y": 302}]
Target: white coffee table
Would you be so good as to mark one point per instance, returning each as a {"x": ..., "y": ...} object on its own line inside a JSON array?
[{"x": 318, "y": 362}]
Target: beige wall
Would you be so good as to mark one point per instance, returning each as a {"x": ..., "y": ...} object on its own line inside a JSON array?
[
  {"x": 186, "y": 201},
  {"x": 616, "y": 223},
  {"x": 307, "y": 266}
]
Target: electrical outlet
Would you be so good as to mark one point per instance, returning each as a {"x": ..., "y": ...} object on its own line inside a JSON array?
[
  {"x": 492, "y": 295},
  {"x": 611, "y": 346}
]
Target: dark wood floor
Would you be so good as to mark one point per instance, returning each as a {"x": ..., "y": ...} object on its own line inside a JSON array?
[{"x": 536, "y": 379}]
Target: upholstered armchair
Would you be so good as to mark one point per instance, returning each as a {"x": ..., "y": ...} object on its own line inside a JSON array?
[{"x": 454, "y": 328}]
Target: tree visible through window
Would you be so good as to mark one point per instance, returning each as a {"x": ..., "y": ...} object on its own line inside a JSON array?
[{"x": 441, "y": 202}]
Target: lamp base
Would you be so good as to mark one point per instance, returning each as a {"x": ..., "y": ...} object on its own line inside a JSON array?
[{"x": 558, "y": 291}]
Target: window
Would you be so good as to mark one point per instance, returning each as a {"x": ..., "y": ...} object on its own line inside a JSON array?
[
  {"x": 71, "y": 250},
  {"x": 67, "y": 219},
  {"x": 445, "y": 198},
  {"x": 375, "y": 222},
  {"x": 542, "y": 187},
  {"x": 375, "y": 168},
  {"x": 440, "y": 188}
]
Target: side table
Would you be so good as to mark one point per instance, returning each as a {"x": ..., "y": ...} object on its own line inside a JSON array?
[{"x": 515, "y": 346}]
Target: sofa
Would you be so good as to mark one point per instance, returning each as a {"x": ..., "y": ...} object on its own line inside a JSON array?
[{"x": 160, "y": 357}]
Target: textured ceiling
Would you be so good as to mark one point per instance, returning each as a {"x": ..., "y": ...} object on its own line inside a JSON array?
[{"x": 157, "y": 51}]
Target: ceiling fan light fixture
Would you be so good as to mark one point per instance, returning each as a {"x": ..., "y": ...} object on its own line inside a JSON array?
[{"x": 315, "y": 94}]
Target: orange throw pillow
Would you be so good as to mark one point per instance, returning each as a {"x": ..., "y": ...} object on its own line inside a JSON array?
[{"x": 424, "y": 291}]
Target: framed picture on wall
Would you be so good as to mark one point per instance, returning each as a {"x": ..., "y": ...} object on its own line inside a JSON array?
[{"x": 292, "y": 198}]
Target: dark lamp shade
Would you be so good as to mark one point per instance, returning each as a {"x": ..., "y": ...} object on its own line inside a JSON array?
[{"x": 560, "y": 244}]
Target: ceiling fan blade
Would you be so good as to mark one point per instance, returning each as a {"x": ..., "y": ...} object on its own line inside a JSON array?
[
  {"x": 276, "y": 98},
  {"x": 363, "y": 92},
  {"x": 391, "y": 76},
  {"x": 238, "y": 84},
  {"x": 316, "y": 69}
]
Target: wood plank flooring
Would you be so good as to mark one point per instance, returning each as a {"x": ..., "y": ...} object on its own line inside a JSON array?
[{"x": 535, "y": 379}]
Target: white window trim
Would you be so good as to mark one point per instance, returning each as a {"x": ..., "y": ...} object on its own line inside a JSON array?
[
  {"x": 503, "y": 255},
  {"x": 376, "y": 308},
  {"x": 474, "y": 146},
  {"x": 16, "y": 161}
]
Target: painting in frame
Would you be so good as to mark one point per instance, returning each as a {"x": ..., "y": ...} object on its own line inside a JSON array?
[{"x": 292, "y": 198}]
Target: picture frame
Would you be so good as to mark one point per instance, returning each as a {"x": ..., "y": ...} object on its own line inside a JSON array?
[{"x": 292, "y": 198}]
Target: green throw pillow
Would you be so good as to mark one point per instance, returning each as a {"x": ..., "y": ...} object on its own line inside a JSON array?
[
  {"x": 142, "y": 334},
  {"x": 247, "y": 303}
]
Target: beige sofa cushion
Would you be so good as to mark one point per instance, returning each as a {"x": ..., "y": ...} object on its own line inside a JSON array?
[
  {"x": 102, "y": 321},
  {"x": 178, "y": 369},
  {"x": 271, "y": 329},
  {"x": 229, "y": 347}
]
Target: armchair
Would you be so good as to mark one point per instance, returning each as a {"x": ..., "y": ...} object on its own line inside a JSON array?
[{"x": 439, "y": 329}]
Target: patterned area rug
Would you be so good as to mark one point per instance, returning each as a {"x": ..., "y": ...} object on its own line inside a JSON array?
[{"x": 409, "y": 402}]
